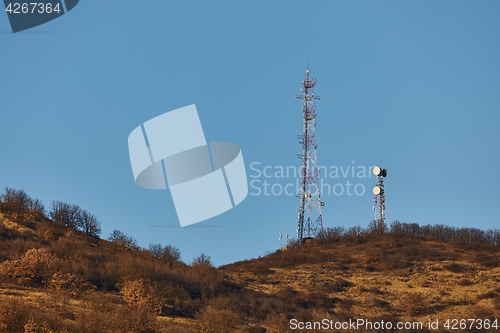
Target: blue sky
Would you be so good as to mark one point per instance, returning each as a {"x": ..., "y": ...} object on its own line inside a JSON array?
[{"x": 411, "y": 84}]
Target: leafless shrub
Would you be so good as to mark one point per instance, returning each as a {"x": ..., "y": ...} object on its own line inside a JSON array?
[
  {"x": 261, "y": 269},
  {"x": 436, "y": 269},
  {"x": 46, "y": 232},
  {"x": 331, "y": 235},
  {"x": 32, "y": 326},
  {"x": 388, "y": 243},
  {"x": 204, "y": 276},
  {"x": 456, "y": 268},
  {"x": 277, "y": 323},
  {"x": 14, "y": 314},
  {"x": 465, "y": 282},
  {"x": 415, "y": 303},
  {"x": 396, "y": 260},
  {"x": 377, "y": 228},
  {"x": 487, "y": 260},
  {"x": 338, "y": 285},
  {"x": 372, "y": 257},
  {"x": 378, "y": 303},
  {"x": 489, "y": 294},
  {"x": 104, "y": 315},
  {"x": 212, "y": 320},
  {"x": 174, "y": 298},
  {"x": 71, "y": 283},
  {"x": 354, "y": 235},
  {"x": 477, "y": 311},
  {"x": 138, "y": 293},
  {"x": 35, "y": 266}
]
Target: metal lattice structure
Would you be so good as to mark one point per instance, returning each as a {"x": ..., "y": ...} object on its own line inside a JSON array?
[
  {"x": 379, "y": 225},
  {"x": 310, "y": 215}
]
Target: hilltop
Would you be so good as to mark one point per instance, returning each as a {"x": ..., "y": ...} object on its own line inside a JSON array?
[
  {"x": 58, "y": 275},
  {"x": 391, "y": 277}
]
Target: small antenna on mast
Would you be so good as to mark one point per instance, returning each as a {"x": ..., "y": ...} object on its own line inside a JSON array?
[{"x": 379, "y": 200}]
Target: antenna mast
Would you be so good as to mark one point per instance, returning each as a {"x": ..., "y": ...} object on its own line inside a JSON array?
[
  {"x": 379, "y": 201},
  {"x": 310, "y": 215}
]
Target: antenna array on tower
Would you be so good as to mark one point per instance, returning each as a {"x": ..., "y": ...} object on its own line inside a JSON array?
[
  {"x": 379, "y": 201},
  {"x": 310, "y": 215}
]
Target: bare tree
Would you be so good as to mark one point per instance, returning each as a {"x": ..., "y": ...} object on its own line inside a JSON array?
[
  {"x": 66, "y": 214},
  {"x": 168, "y": 253},
  {"x": 202, "y": 260},
  {"x": 20, "y": 205},
  {"x": 90, "y": 225},
  {"x": 119, "y": 237}
]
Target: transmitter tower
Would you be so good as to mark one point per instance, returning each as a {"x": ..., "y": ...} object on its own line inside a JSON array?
[
  {"x": 310, "y": 216},
  {"x": 379, "y": 201}
]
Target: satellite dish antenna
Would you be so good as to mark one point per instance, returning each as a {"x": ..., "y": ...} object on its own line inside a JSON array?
[{"x": 379, "y": 200}]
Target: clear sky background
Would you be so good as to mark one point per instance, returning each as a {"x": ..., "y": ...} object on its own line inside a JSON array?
[{"x": 412, "y": 84}]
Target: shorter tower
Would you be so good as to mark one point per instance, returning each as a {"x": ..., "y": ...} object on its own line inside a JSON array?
[{"x": 379, "y": 225}]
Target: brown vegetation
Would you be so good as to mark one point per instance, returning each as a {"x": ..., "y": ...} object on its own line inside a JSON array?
[{"x": 56, "y": 276}]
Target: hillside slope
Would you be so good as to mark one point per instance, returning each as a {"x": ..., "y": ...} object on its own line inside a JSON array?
[
  {"x": 390, "y": 277},
  {"x": 54, "y": 278}
]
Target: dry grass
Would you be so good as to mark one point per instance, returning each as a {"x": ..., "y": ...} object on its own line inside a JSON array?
[
  {"x": 99, "y": 286},
  {"x": 451, "y": 285},
  {"x": 14, "y": 226}
]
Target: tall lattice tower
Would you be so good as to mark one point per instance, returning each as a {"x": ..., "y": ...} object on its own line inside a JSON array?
[{"x": 310, "y": 215}]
